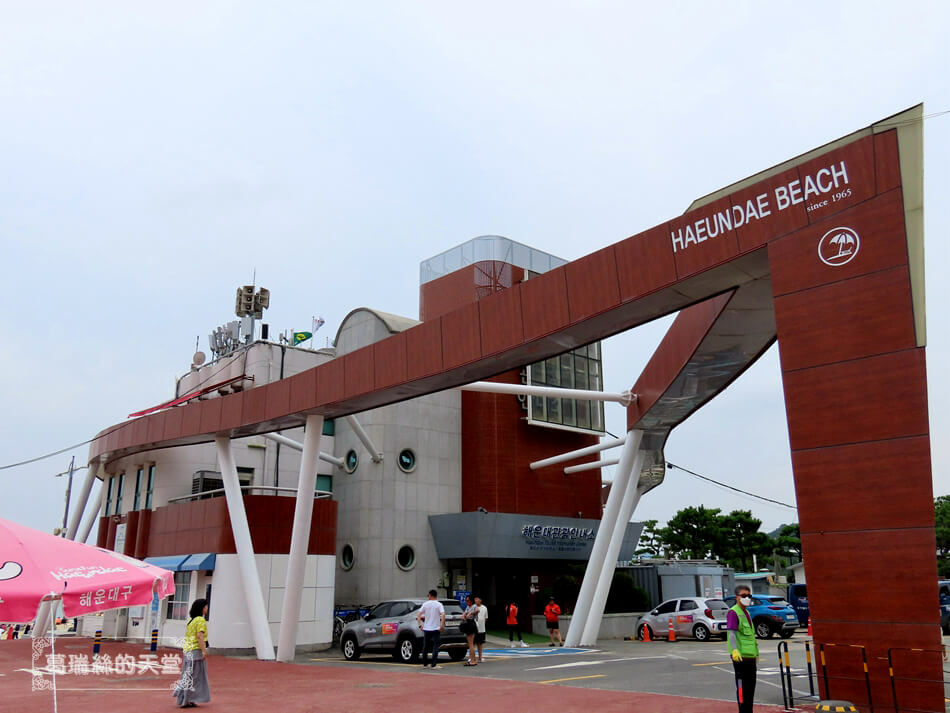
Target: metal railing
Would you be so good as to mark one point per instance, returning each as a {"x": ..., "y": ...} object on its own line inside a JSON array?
[
  {"x": 911, "y": 680},
  {"x": 787, "y": 674},
  {"x": 277, "y": 490},
  {"x": 864, "y": 662}
]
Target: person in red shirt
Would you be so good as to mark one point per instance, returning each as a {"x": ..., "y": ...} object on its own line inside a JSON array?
[
  {"x": 511, "y": 621},
  {"x": 551, "y": 612}
]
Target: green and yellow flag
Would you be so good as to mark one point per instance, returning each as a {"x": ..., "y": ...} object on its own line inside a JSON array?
[{"x": 302, "y": 337}]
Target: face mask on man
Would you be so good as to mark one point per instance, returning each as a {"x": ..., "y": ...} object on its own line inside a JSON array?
[{"x": 745, "y": 601}]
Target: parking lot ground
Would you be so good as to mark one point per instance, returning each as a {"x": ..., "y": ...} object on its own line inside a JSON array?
[{"x": 512, "y": 682}]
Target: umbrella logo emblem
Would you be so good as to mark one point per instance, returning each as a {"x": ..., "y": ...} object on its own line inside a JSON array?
[
  {"x": 839, "y": 246},
  {"x": 10, "y": 570}
]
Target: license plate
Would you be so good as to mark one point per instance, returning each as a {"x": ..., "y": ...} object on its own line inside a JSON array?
[
  {"x": 791, "y": 617},
  {"x": 720, "y": 626}
]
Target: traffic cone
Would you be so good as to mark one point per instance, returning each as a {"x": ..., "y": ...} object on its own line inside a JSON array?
[
  {"x": 809, "y": 626},
  {"x": 670, "y": 634},
  {"x": 646, "y": 633}
]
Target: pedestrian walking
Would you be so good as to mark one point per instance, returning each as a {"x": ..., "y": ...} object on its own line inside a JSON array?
[
  {"x": 480, "y": 621},
  {"x": 193, "y": 686},
  {"x": 471, "y": 617},
  {"x": 511, "y": 621},
  {"x": 551, "y": 613},
  {"x": 743, "y": 648},
  {"x": 431, "y": 619}
]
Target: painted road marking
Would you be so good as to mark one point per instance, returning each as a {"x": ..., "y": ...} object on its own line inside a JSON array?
[
  {"x": 594, "y": 663},
  {"x": 574, "y": 678},
  {"x": 713, "y": 663},
  {"x": 551, "y": 651}
]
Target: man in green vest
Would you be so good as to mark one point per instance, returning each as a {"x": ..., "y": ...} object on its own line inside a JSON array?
[{"x": 740, "y": 634}]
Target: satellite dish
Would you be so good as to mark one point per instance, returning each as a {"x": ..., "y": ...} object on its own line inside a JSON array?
[{"x": 198, "y": 359}]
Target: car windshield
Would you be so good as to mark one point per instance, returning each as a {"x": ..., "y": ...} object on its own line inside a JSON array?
[{"x": 716, "y": 604}]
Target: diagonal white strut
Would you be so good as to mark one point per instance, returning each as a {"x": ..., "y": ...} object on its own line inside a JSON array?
[
  {"x": 374, "y": 453},
  {"x": 579, "y": 453},
  {"x": 624, "y": 398},
  {"x": 291, "y": 443},
  {"x": 629, "y": 458}
]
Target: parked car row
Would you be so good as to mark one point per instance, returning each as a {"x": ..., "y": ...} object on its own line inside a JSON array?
[
  {"x": 702, "y": 618},
  {"x": 391, "y": 626}
]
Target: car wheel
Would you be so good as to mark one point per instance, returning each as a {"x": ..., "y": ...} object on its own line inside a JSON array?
[
  {"x": 701, "y": 632},
  {"x": 787, "y": 634},
  {"x": 763, "y": 630},
  {"x": 407, "y": 649},
  {"x": 351, "y": 650},
  {"x": 337, "y": 628},
  {"x": 458, "y": 653},
  {"x": 643, "y": 628}
]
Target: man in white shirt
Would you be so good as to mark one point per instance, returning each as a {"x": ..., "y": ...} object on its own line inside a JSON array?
[
  {"x": 480, "y": 622},
  {"x": 431, "y": 619}
]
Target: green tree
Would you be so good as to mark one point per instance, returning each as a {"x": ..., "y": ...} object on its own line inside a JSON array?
[
  {"x": 625, "y": 596},
  {"x": 788, "y": 542},
  {"x": 650, "y": 542},
  {"x": 741, "y": 538},
  {"x": 693, "y": 532}
]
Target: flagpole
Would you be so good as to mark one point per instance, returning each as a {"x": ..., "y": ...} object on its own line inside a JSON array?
[{"x": 313, "y": 322}]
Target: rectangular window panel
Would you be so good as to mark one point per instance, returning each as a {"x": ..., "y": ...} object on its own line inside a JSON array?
[
  {"x": 594, "y": 381},
  {"x": 567, "y": 412},
  {"x": 567, "y": 371},
  {"x": 593, "y": 350},
  {"x": 325, "y": 483},
  {"x": 118, "y": 494},
  {"x": 180, "y": 601},
  {"x": 151, "y": 484},
  {"x": 138, "y": 489},
  {"x": 537, "y": 373},
  {"x": 597, "y": 415},
  {"x": 552, "y": 373},
  {"x": 583, "y": 413},
  {"x": 554, "y": 410},
  {"x": 580, "y": 373},
  {"x": 109, "y": 496},
  {"x": 537, "y": 408}
]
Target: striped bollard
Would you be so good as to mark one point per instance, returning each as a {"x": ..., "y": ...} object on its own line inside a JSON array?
[
  {"x": 154, "y": 646},
  {"x": 96, "y": 643}
]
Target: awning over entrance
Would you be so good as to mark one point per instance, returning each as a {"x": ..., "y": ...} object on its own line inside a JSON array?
[
  {"x": 514, "y": 536},
  {"x": 184, "y": 563}
]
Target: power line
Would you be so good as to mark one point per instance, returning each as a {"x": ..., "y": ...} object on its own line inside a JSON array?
[{"x": 730, "y": 487}]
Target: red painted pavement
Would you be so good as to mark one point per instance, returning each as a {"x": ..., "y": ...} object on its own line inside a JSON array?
[{"x": 250, "y": 685}]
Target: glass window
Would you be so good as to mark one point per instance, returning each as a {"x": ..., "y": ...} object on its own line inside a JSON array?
[
  {"x": 716, "y": 604},
  {"x": 552, "y": 373},
  {"x": 329, "y": 427},
  {"x": 580, "y": 373},
  {"x": 381, "y": 610},
  {"x": 554, "y": 410},
  {"x": 148, "y": 490},
  {"x": 567, "y": 371},
  {"x": 347, "y": 557},
  {"x": 537, "y": 409},
  {"x": 583, "y": 414},
  {"x": 138, "y": 489},
  {"x": 180, "y": 601},
  {"x": 688, "y": 605},
  {"x": 567, "y": 412},
  {"x": 118, "y": 494},
  {"x": 400, "y": 609},
  {"x": 537, "y": 373},
  {"x": 596, "y": 415},
  {"x": 325, "y": 483},
  {"x": 406, "y": 557},
  {"x": 666, "y": 607},
  {"x": 108, "y": 487}
]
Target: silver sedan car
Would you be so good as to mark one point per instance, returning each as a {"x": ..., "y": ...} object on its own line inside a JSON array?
[
  {"x": 392, "y": 627},
  {"x": 698, "y": 617}
]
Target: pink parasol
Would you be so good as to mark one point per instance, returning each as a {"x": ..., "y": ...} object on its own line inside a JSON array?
[{"x": 36, "y": 566}]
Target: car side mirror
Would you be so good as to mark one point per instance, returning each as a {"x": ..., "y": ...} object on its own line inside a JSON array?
[
  {"x": 368, "y": 617},
  {"x": 654, "y": 612}
]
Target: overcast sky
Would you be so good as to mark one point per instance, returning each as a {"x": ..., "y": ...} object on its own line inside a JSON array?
[{"x": 154, "y": 155}]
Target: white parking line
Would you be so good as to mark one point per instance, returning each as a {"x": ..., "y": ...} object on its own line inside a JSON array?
[{"x": 593, "y": 663}]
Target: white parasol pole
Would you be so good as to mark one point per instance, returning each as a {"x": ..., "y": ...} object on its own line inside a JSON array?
[{"x": 52, "y": 645}]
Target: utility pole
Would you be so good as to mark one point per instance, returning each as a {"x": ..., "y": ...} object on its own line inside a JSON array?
[{"x": 69, "y": 490}]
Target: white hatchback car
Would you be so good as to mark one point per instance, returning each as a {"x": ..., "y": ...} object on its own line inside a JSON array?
[{"x": 698, "y": 617}]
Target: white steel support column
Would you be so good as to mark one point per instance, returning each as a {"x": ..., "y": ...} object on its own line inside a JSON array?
[
  {"x": 95, "y": 512},
  {"x": 630, "y": 499},
  {"x": 375, "y": 454},
  {"x": 250, "y": 578},
  {"x": 604, "y": 533},
  {"x": 81, "y": 501},
  {"x": 297, "y": 563}
]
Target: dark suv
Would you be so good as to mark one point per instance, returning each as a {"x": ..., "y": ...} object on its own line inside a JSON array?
[{"x": 391, "y": 626}]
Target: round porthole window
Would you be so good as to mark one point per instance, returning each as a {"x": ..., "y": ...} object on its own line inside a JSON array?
[
  {"x": 347, "y": 557},
  {"x": 406, "y": 460},
  {"x": 350, "y": 461},
  {"x": 406, "y": 557}
]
